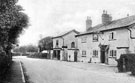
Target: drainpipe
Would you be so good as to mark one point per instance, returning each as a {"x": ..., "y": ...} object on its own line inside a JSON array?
[
  {"x": 63, "y": 45},
  {"x": 131, "y": 34},
  {"x": 131, "y": 37}
]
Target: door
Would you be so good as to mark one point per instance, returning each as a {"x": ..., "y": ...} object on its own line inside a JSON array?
[
  {"x": 75, "y": 56},
  {"x": 58, "y": 55},
  {"x": 102, "y": 56},
  {"x": 103, "y": 51}
]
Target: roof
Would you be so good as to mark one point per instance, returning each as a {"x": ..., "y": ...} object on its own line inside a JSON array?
[
  {"x": 66, "y": 33},
  {"x": 116, "y": 24}
]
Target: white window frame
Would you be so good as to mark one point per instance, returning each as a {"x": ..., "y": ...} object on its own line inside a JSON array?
[
  {"x": 84, "y": 39},
  {"x": 112, "y": 35}
]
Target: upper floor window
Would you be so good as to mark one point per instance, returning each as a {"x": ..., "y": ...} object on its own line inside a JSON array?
[
  {"x": 57, "y": 42},
  {"x": 95, "y": 53},
  {"x": 84, "y": 39},
  {"x": 73, "y": 45},
  {"x": 113, "y": 53},
  {"x": 111, "y": 36},
  {"x": 95, "y": 37}
]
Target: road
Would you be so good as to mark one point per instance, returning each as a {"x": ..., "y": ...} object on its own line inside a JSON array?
[{"x": 52, "y": 71}]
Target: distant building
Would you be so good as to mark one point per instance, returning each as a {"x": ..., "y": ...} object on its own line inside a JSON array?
[
  {"x": 65, "y": 46},
  {"x": 105, "y": 42}
]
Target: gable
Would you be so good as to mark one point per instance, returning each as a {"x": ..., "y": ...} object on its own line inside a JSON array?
[{"x": 66, "y": 33}]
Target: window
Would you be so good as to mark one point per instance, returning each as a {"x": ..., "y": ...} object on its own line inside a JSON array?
[
  {"x": 113, "y": 53},
  {"x": 57, "y": 42},
  {"x": 95, "y": 53},
  {"x": 73, "y": 45},
  {"x": 83, "y": 53},
  {"x": 111, "y": 36},
  {"x": 84, "y": 39},
  {"x": 95, "y": 37}
]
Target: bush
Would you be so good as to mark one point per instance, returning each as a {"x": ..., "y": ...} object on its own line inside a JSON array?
[
  {"x": 38, "y": 55},
  {"x": 126, "y": 62},
  {"x": 133, "y": 69}
]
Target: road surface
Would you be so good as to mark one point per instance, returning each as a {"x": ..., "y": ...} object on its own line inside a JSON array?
[{"x": 53, "y": 71}]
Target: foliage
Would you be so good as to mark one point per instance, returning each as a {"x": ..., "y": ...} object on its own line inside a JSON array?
[
  {"x": 12, "y": 23},
  {"x": 39, "y": 55},
  {"x": 46, "y": 44},
  {"x": 126, "y": 62},
  {"x": 24, "y": 49}
]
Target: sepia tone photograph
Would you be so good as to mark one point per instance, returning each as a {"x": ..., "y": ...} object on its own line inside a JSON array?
[{"x": 67, "y": 41}]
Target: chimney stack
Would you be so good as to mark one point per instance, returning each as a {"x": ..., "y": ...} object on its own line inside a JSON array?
[
  {"x": 88, "y": 23},
  {"x": 106, "y": 18}
]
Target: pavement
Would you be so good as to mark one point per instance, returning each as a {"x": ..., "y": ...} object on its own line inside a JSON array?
[{"x": 14, "y": 74}]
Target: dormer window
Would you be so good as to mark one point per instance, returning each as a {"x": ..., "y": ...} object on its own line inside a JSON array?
[{"x": 95, "y": 37}]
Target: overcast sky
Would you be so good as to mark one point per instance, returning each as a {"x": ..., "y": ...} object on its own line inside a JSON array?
[{"x": 51, "y": 17}]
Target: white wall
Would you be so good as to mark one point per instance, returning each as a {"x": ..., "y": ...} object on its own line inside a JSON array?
[{"x": 122, "y": 39}]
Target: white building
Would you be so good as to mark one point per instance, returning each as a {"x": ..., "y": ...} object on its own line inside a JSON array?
[
  {"x": 104, "y": 43},
  {"x": 65, "y": 46}
]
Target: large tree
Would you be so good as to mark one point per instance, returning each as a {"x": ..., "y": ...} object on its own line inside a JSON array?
[
  {"x": 12, "y": 23},
  {"x": 46, "y": 44}
]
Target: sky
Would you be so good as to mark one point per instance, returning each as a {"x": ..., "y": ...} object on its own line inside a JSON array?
[{"x": 52, "y": 17}]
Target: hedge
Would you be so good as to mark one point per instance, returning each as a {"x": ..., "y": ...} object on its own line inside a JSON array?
[
  {"x": 5, "y": 61},
  {"x": 39, "y": 55}
]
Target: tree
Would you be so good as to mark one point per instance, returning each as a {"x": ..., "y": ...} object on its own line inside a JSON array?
[
  {"x": 12, "y": 23},
  {"x": 46, "y": 43},
  {"x": 24, "y": 49},
  {"x": 31, "y": 48}
]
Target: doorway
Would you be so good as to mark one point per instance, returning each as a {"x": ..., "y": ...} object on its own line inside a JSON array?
[
  {"x": 75, "y": 56},
  {"x": 102, "y": 56},
  {"x": 103, "y": 53}
]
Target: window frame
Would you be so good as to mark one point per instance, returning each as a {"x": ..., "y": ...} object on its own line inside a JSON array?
[
  {"x": 83, "y": 39},
  {"x": 95, "y": 37},
  {"x": 112, "y": 36},
  {"x": 113, "y": 53},
  {"x": 95, "y": 53},
  {"x": 57, "y": 42},
  {"x": 72, "y": 44},
  {"x": 83, "y": 53}
]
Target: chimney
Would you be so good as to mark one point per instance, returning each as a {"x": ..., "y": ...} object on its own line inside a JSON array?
[
  {"x": 88, "y": 23},
  {"x": 106, "y": 18}
]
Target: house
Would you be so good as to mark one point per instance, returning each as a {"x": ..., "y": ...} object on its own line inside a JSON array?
[
  {"x": 105, "y": 42},
  {"x": 65, "y": 46}
]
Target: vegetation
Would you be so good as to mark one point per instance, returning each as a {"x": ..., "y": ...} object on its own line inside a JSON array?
[
  {"x": 45, "y": 44},
  {"x": 12, "y": 23},
  {"x": 39, "y": 55},
  {"x": 24, "y": 49},
  {"x": 127, "y": 63}
]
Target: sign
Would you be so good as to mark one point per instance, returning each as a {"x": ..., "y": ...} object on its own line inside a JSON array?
[{"x": 64, "y": 46}]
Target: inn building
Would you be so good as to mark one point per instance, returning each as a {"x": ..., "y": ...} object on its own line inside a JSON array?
[{"x": 105, "y": 42}]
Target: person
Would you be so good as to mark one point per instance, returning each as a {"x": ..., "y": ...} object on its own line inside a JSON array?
[{"x": 69, "y": 57}]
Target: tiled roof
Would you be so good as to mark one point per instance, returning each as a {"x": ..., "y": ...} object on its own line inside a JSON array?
[
  {"x": 65, "y": 33},
  {"x": 112, "y": 25}
]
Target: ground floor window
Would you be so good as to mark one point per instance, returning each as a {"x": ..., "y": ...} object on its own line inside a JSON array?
[
  {"x": 95, "y": 53},
  {"x": 113, "y": 53},
  {"x": 83, "y": 53}
]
